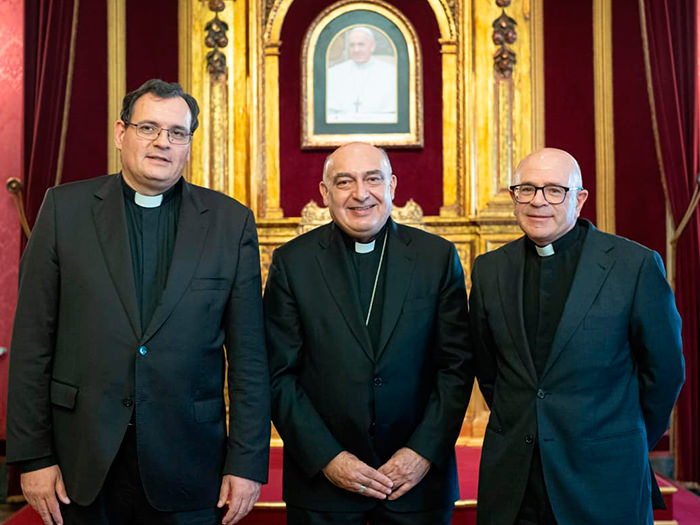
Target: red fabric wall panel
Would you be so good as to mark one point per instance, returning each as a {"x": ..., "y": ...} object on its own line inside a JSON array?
[
  {"x": 419, "y": 171},
  {"x": 639, "y": 200},
  {"x": 569, "y": 111},
  {"x": 151, "y": 41},
  {"x": 86, "y": 138},
  {"x": 11, "y": 129}
]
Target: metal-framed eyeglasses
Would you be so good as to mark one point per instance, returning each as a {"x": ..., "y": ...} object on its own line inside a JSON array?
[
  {"x": 553, "y": 193},
  {"x": 145, "y": 130}
]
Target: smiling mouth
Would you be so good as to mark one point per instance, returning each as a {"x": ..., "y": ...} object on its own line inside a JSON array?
[
  {"x": 158, "y": 158},
  {"x": 362, "y": 208}
]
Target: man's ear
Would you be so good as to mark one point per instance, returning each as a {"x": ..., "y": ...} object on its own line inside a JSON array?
[
  {"x": 324, "y": 192},
  {"x": 581, "y": 197},
  {"x": 119, "y": 130}
]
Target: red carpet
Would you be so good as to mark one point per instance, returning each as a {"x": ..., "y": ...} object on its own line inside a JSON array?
[{"x": 684, "y": 508}]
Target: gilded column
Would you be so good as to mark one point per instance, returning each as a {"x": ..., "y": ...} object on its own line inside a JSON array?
[
  {"x": 116, "y": 74},
  {"x": 604, "y": 126}
]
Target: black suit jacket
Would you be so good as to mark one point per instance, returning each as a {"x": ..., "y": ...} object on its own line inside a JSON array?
[
  {"x": 80, "y": 361},
  {"x": 606, "y": 392},
  {"x": 332, "y": 393}
]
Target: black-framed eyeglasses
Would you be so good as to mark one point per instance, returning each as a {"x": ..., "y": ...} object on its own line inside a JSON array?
[
  {"x": 553, "y": 193},
  {"x": 148, "y": 131}
]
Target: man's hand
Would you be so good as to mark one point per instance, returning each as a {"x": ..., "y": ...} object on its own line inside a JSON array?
[
  {"x": 405, "y": 469},
  {"x": 240, "y": 494},
  {"x": 348, "y": 472},
  {"x": 40, "y": 488}
]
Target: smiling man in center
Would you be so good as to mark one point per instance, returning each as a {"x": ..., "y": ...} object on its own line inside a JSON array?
[{"x": 367, "y": 326}]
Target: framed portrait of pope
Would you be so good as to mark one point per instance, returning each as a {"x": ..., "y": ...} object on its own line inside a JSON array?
[{"x": 361, "y": 77}]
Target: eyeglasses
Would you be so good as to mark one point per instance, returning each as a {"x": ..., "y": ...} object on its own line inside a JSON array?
[
  {"x": 178, "y": 136},
  {"x": 553, "y": 193}
]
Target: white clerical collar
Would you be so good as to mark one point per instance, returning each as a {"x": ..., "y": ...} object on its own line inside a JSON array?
[
  {"x": 364, "y": 247},
  {"x": 545, "y": 251},
  {"x": 148, "y": 201}
]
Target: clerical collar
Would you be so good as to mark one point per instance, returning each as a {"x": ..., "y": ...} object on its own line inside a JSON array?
[
  {"x": 364, "y": 247},
  {"x": 149, "y": 201},
  {"x": 563, "y": 242},
  {"x": 545, "y": 251}
]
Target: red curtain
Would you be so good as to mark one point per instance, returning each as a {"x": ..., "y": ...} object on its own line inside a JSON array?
[
  {"x": 48, "y": 29},
  {"x": 671, "y": 34}
]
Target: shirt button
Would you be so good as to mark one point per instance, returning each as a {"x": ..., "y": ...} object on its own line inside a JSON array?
[
  {"x": 529, "y": 439},
  {"x": 143, "y": 350},
  {"x": 127, "y": 402},
  {"x": 378, "y": 381},
  {"x": 541, "y": 394}
]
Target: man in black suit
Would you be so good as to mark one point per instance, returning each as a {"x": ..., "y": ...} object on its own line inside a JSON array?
[
  {"x": 578, "y": 351},
  {"x": 367, "y": 327},
  {"x": 130, "y": 286}
]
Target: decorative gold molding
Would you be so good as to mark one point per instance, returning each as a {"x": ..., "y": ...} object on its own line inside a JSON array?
[
  {"x": 507, "y": 116},
  {"x": 532, "y": 11},
  {"x": 185, "y": 65},
  {"x": 267, "y": 136},
  {"x": 116, "y": 74},
  {"x": 604, "y": 124},
  {"x": 313, "y": 216}
]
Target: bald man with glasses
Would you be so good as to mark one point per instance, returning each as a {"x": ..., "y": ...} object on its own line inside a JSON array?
[{"x": 578, "y": 350}]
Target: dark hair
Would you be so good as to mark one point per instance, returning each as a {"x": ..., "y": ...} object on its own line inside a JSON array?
[{"x": 160, "y": 89}]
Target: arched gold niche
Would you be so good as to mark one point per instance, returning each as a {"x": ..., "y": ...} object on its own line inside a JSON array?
[{"x": 492, "y": 117}]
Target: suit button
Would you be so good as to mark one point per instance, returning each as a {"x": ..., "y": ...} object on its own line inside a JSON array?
[
  {"x": 143, "y": 350},
  {"x": 378, "y": 381},
  {"x": 529, "y": 439},
  {"x": 127, "y": 402},
  {"x": 541, "y": 394},
  {"x": 372, "y": 428}
]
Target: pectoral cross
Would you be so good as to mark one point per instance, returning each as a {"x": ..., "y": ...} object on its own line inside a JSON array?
[{"x": 357, "y": 105}]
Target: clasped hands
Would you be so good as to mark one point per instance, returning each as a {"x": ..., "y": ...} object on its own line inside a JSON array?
[{"x": 393, "y": 479}]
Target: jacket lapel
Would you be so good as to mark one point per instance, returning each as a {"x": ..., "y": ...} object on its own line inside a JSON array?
[
  {"x": 336, "y": 271},
  {"x": 510, "y": 285},
  {"x": 192, "y": 226},
  {"x": 594, "y": 265},
  {"x": 110, "y": 224},
  {"x": 396, "y": 281}
]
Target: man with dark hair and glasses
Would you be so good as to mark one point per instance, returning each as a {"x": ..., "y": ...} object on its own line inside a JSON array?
[
  {"x": 578, "y": 354},
  {"x": 130, "y": 287}
]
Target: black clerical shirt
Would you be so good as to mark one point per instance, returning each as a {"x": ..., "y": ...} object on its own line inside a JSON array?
[
  {"x": 546, "y": 284},
  {"x": 151, "y": 239},
  {"x": 365, "y": 272},
  {"x": 545, "y": 288}
]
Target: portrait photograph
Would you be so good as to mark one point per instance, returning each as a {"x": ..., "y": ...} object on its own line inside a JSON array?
[{"x": 361, "y": 78}]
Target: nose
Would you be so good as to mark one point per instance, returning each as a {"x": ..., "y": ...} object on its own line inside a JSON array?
[
  {"x": 538, "y": 199},
  {"x": 161, "y": 139},
  {"x": 360, "y": 192}
]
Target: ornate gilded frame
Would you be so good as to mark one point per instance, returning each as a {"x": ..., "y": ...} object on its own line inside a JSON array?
[{"x": 410, "y": 120}]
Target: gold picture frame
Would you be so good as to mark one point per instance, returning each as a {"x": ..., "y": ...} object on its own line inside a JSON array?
[{"x": 362, "y": 77}]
